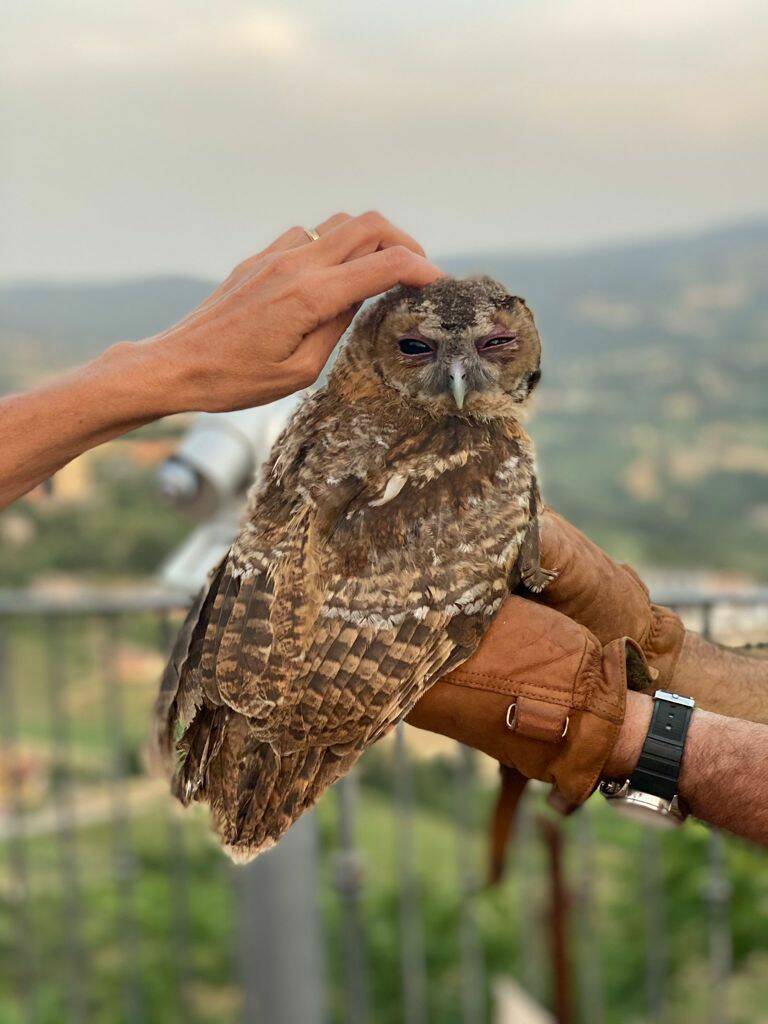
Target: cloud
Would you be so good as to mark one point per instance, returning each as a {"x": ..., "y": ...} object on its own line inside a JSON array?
[
  {"x": 164, "y": 35},
  {"x": 191, "y": 129},
  {"x": 264, "y": 33},
  {"x": 659, "y": 19}
]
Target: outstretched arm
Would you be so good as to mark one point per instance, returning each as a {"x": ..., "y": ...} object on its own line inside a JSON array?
[
  {"x": 265, "y": 332},
  {"x": 723, "y": 771}
]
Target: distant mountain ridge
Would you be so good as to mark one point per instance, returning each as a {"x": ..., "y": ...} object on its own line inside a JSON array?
[
  {"x": 70, "y": 320},
  {"x": 88, "y": 316},
  {"x": 653, "y": 423}
]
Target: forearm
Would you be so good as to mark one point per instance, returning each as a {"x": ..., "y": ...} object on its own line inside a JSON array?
[
  {"x": 42, "y": 430},
  {"x": 265, "y": 332},
  {"x": 722, "y": 680},
  {"x": 724, "y": 767}
]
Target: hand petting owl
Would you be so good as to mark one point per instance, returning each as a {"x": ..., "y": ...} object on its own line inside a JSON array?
[{"x": 396, "y": 513}]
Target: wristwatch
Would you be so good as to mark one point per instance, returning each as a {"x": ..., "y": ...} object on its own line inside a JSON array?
[{"x": 650, "y": 792}]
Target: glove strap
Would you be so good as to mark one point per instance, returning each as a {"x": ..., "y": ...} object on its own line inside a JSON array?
[
  {"x": 538, "y": 720},
  {"x": 512, "y": 786}
]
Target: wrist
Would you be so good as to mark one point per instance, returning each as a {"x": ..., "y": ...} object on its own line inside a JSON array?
[
  {"x": 138, "y": 379},
  {"x": 183, "y": 376},
  {"x": 626, "y": 751}
]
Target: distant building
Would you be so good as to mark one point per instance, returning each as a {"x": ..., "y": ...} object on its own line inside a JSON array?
[{"x": 75, "y": 483}]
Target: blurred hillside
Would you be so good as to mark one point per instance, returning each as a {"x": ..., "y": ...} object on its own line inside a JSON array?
[
  {"x": 653, "y": 433},
  {"x": 653, "y": 416}
]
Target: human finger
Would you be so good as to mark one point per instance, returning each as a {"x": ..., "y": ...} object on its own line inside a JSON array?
[
  {"x": 328, "y": 293},
  {"x": 357, "y": 236},
  {"x": 297, "y": 235},
  {"x": 293, "y": 238},
  {"x": 313, "y": 352}
]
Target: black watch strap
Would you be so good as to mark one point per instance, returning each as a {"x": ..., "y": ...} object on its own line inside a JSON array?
[{"x": 658, "y": 768}]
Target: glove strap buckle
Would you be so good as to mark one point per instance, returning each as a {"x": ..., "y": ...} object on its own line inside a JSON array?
[{"x": 538, "y": 719}]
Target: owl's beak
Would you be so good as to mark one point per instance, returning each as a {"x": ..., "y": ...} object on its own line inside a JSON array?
[{"x": 458, "y": 382}]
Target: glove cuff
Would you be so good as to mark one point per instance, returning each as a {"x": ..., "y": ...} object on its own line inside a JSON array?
[
  {"x": 663, "y": 644},
  {"x": 594, "y": 728}
]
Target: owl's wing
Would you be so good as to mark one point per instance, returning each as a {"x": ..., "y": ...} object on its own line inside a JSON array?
[
  {"x": 280, "y": 689},
  {"x": 357, "y": 682},
  {"x": 359, "y": 678},
  {"x": 190, "y": 715},
  {"x": 188, "y": 687}
]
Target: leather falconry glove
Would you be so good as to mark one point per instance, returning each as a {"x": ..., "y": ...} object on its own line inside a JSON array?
[
  {"x": 607, "y": 597},
  {"x": 542, "y": 696},
  {"x": 612, "y": 601}
]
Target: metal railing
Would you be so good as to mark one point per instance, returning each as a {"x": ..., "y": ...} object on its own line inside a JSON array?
[{"x": 116, "y": 906}]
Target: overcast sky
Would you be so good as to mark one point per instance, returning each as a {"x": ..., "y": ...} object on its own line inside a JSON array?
[{"x": 177, "y": 135}]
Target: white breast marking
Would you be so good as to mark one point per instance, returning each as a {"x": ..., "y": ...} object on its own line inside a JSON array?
[{"x": 395, "y": 484}]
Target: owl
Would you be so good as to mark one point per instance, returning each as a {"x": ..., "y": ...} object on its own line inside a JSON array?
[{"x": 396, "y": 512}]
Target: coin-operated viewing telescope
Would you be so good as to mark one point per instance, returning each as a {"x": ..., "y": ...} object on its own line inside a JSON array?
[
  {"x": 209, "y": 474},
  {"x": 218, "y": 458}
]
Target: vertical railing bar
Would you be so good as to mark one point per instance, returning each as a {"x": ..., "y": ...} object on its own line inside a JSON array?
[
  {"x": 557, "y": 917},
  {"x": 655, "y": 945},
  {"x": 718, "y": 898},
  {"x": 17, "y": 843},
  {"x": 278, "y": 935},
  {"x": 471, "y": 953},
  {"x": 707, "y": 613},
  {"x": 348, "y": 879},
  {"x": 412, "y": 957},
  {"x": 708, "y": 619},
  {"x": 178, "y": 880},
  {"x": 590, "y": 957},
  {"x": 124, "y": 867},
  {"x": 57, "y": 680},
  {"x": 526, "y": 866}
]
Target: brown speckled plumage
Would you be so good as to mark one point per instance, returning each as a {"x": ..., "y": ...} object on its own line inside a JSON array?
[{"x": 386, "y": 530}]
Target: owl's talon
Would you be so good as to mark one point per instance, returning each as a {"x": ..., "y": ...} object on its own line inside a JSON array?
[{"x": 537, "y": 579}]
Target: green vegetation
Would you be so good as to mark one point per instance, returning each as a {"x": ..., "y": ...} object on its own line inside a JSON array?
[
  {"x": 122, "y": 529},
  {"x": 145, "y": 895},
  {"x": 79, "y": 702}
]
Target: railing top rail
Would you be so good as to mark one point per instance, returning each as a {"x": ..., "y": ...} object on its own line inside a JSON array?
[
  {"x": 156, "y": 598},
  {"x": 687, "y": 598},
  {"x": 92, "y": 601}
]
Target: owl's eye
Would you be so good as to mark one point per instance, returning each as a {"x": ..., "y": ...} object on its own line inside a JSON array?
[
  {"x": 415, "y": 347},
  {"x": 498, "y": 341}
]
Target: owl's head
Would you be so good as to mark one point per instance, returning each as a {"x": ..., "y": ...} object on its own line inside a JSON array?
[{"x": 462, "y": 348}]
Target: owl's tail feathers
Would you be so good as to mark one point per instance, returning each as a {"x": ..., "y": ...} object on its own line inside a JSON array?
[
  {"x": 197, "y": 750},
  {"x": 255, "y": 794}
]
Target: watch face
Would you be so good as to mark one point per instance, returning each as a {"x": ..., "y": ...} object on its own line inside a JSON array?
[
  {"x": 642, "y": 807},
  {"x": 644, "y": 814}
]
